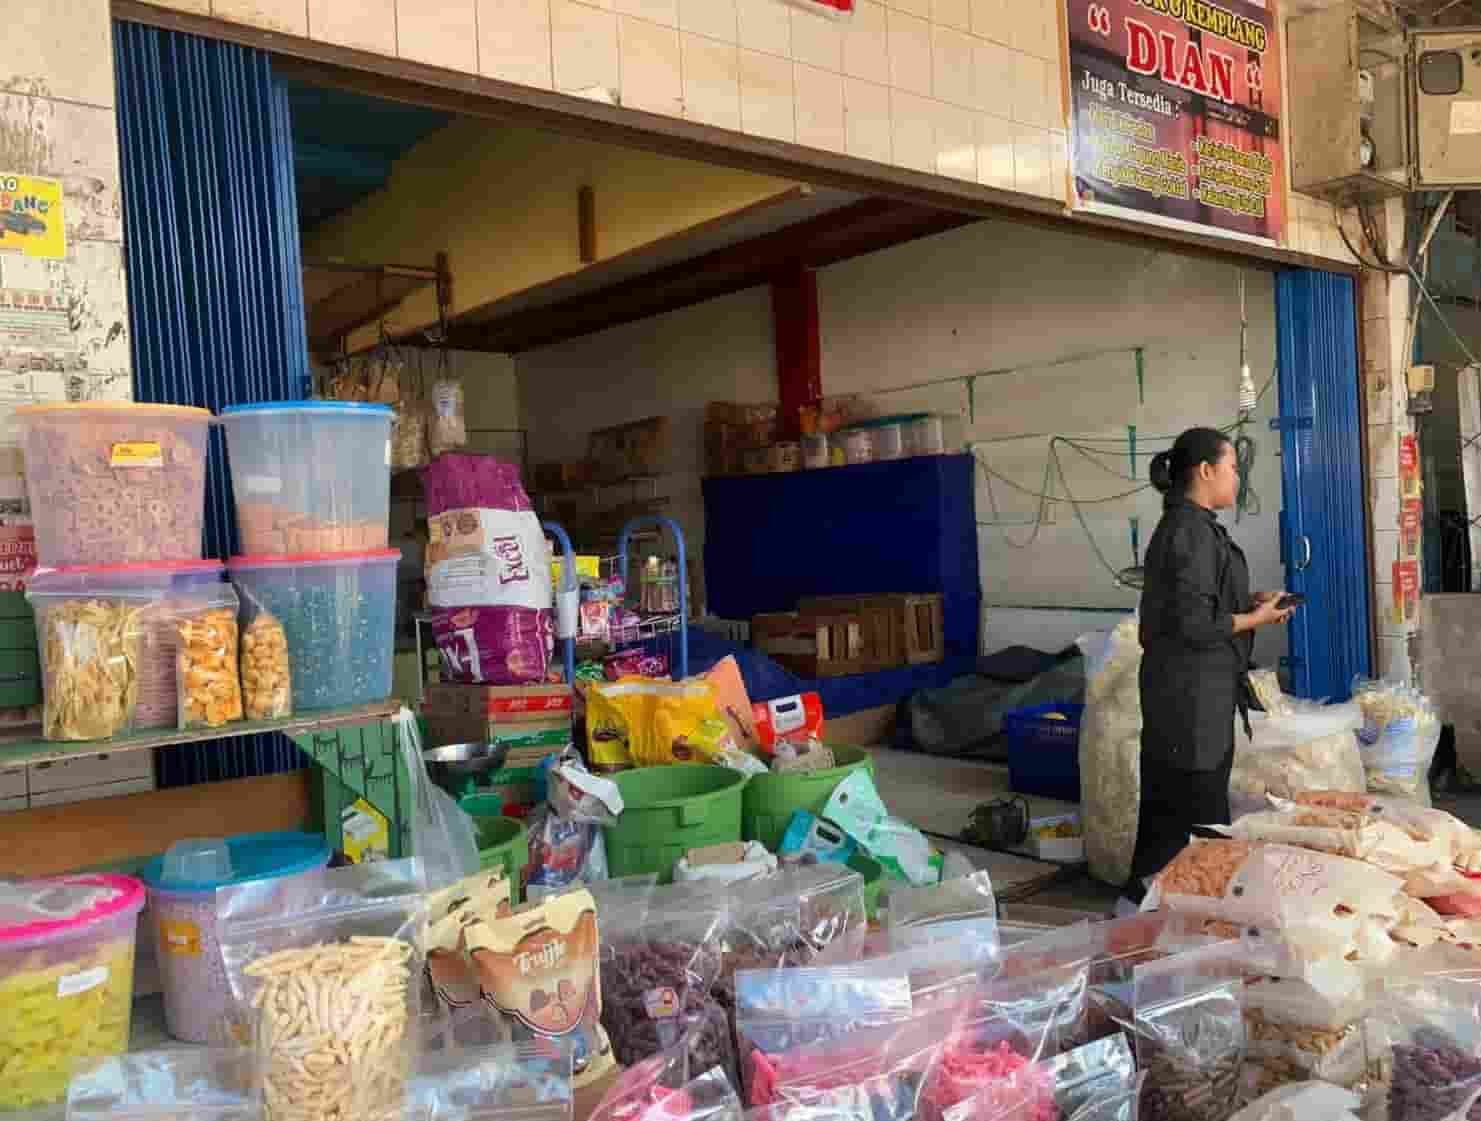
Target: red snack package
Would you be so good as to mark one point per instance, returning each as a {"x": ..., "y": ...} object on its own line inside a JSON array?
[{"x": 794, "y": 719}]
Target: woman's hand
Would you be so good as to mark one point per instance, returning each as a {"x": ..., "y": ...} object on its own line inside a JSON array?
[{"x": 1266, "y": 613}]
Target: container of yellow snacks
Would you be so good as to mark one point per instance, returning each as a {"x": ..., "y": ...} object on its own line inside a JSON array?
[{"x": 66, "y": 979}]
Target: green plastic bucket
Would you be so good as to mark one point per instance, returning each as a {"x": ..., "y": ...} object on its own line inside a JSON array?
[
  {"x": 503, "y": 843},
  {"x": 669, "y": 810},
  {"x": 772, "y": 799}
]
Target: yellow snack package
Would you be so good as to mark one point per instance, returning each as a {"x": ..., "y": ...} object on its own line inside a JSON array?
[{"x": 646, "y": 722}]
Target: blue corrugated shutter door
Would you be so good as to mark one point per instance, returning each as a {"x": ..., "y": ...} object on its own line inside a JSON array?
[
  {"x": 1324, "y": 525},
  {"x": 214, "y": 277}
]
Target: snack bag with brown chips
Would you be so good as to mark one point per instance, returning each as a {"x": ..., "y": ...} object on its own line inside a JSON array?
[
  {"x": 538, "y": 966},
  {"x": 206, "y": 660}
]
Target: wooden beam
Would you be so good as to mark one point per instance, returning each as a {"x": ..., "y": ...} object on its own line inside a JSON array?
[
  {"x": 53, "y": 839},
  {"x": 799, "y": 351},
  {"x": 586, "y": 225}
]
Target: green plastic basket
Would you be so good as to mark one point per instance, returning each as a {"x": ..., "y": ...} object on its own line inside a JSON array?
[
  {"x": 504, "y": 843},
  {"x": 772, "y": 799},
  {"x": 669, "y": 810}
]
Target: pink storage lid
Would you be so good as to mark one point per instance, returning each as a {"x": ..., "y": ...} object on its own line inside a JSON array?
[
  {"x": 162, "y": 567},
  {"x": 265, "y": 560},
  {"x": 56, "y": 907}
]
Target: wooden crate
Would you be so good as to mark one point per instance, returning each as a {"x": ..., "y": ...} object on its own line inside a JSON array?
[
  {"x": 915, "y": 622},
  {"x": 821, "y": 644}
]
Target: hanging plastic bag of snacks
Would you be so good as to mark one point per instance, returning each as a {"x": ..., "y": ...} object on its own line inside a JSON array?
[
  {"x": 409, "y": 427},
  {"x": 204, "y": 1084},
  {"x": 448, "y": 429}
]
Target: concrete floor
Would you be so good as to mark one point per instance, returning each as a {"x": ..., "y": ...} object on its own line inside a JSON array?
[{"x": 938, "y": 794}]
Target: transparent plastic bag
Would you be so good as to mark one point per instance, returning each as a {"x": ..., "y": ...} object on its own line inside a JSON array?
[
  {"x": 665, "y": 1088},
  {"x": 325, "y": 972},
  {"x": 207, "y": 675},
  {"x": 1297, "y": 1033},
  {"x": 180, "y": 1084},
  {"x": 1399, "y": 735},
  {"x": 958, "y": 910},
  {"x": 1111, "y": 750},
  {"x": 1190, "y": 1035},
  {"x": 1303, "y": 1101},
  {"x": 1359, "y": 836},
  {"x": 409, "y": 435},
  {"x": 448, "y": 428},
  {"x": 528, "y": 1081},
  {"x": 1423, "y": 1039},
  {"x": 267, "y": 677},
  {"x": 780, "y": 1010},
  {"x": 1309, "y": 747},
  {"x": 442, "y": 834},
  {"x": 90, "y": 650},
  {"x": 451, "y": 974},
  {"x": 661, "y": 960}
]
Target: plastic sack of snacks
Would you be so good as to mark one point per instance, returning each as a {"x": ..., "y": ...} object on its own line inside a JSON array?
[
  {"x": 539, "y": 968},
  {"x": 1423, "y": 1041},
  {"x": 1265, "y": 684},
  {"x": 660, "y": 962},
  {"x": 1111, "y": 750},
  {"x": 181, "y": 1084},
  {"x": 267, "y": 680},
  {"x": 488, "y": 572},
  {"x": 528, "y": 1081},
  {"x": 1190, "y": 1035},
  {"x": 1296, "y": 1034},
  {"x": 780, "y": 1010},
  {"x": 90, "y": 650},
  {"x": 1097, "y": 1082},
  {"x": 326, "y": 980},
  {"x": 1455, "y": 841},
  {"x": 659, "y": 1089},
  {"x": 1398, "y": 737},
  {"x": 799, "y": 916},
  {"x": 451, "y": 975},
  {"x": 447, "y": 422},
  {"x": 885, "y": 1068},
  {"x": 1361, "y": 836},
  {"x": 1320, "y": 902},
  {"x": 1309, "y": 747},
  {"x": 206, "y": 666},
  {"x": 1303, "y": 1101}
]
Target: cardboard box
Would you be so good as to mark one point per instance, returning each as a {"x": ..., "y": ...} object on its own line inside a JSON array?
[
  {"x": 92, "y": 770},
  {"x": 508, "y": 704}
]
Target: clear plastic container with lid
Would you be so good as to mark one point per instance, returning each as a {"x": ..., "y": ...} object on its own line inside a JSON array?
[
  {"x": 162, "y": 591},
  {"x": 115, "y": 483},
  {"x": 66, "y": 979},
  {"x": 310, "y": 476},
  {"x": 182, "y": 908},
  {"x": 339, "y": 614}
]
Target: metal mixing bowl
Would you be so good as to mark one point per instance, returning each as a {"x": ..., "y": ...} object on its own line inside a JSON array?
[{"x": 453, "y": 761}]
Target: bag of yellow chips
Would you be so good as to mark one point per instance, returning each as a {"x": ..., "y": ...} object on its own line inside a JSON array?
[{"x": 206, "y": 660}]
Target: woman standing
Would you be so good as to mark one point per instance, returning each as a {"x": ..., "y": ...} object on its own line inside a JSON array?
[{"x": 1197, "y": 633}]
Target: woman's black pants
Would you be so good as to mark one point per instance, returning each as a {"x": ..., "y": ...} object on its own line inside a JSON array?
[{"x": 1174, "y": 803}]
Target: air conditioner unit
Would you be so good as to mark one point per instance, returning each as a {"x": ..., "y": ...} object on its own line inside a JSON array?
[
  {"x": 1349, "y": 132},
  {"x": 1445, "y": 97}
]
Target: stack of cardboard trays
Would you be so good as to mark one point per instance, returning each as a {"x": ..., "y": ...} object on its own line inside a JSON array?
[{"x": 532, "y": 721}]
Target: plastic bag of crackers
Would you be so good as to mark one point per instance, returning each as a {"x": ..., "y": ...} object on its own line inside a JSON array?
[
  {"x": 206, "y": 659},
  {"x": 267, "y": 683}
]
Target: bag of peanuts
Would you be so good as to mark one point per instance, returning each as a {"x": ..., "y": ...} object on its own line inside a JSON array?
[
  {"x": 206, "y": 671},
  {"x": 1190, "y": 1034},
  {"x": 325, "y": 974},
  {"x": 1297, "y": 1033},
  {"x": 209, "y": 1084},
  {"x": 267, "y": 680}
]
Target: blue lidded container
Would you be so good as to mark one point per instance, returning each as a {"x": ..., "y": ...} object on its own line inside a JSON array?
[{"x": 182, "y": 886}]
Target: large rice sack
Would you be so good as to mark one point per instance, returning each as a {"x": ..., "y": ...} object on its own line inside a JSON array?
[{"x": 1111, "y": 750}]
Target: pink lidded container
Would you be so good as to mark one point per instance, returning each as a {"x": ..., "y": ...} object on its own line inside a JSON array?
[
  {"x": 66, "y": 979},
  {"x": 113, "y": 482}
]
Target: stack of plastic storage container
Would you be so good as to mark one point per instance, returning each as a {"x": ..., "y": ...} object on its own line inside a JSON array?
[
  {"x": 118, "y": 495},
  {"x": 312, "y": 481}
]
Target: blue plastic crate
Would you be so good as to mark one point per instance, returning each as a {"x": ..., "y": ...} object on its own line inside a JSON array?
[{"x": 1044, "y": 754}]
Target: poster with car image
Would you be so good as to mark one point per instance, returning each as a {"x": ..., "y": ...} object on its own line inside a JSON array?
[
  {"x": 31, "y": 216},
  {"x": 1175, "y": 114}
]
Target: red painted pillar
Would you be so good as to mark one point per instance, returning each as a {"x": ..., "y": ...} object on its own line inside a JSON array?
[{"x": 799, "y": 352}]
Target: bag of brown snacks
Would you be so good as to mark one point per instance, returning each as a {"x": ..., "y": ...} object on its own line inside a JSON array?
[{"x": 267, "y": 682}]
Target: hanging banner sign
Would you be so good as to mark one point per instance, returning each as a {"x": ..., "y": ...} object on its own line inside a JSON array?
[
  {"x": 1410, "y": 483},
  {"x": 827, "y": 7},
  {"x": 1406, "y": 592},
  {"x": 31, "y": 217},
  {"x": 1176, "y": 114}
]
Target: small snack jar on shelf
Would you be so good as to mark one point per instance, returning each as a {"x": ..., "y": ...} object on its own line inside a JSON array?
[
  {"x": 310, "y": 476},
  {"x": 114, "y": 483},
  {"x": 66, "y": 980},
  {"x": 338, "y": 613}
]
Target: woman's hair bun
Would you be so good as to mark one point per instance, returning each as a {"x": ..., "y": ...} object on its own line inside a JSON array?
[{"x": 1160, "y": 472}]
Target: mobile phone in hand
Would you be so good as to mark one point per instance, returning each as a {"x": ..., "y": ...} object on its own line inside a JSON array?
[{"x": 1290, "y": 600}]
